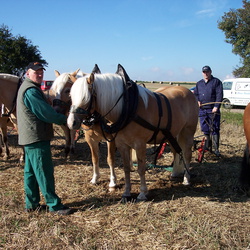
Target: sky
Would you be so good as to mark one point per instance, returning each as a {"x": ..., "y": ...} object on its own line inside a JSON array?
[{"x": 154, "y": 40}]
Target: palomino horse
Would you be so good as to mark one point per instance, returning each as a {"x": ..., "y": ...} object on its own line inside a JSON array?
[
  {"x": 9, "y": 85},
  {"x": 8, "y": 88},
  {"x": 4, "y": 123},
  {"x": 59, "y": 96},
  {"x": 137, "y": 116},
  {"x": 245, "y": 166}
]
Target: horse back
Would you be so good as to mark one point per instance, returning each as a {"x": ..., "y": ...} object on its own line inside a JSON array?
[
  {"x": 183, "y": 103},
  {"x": 181, "y": 115}
]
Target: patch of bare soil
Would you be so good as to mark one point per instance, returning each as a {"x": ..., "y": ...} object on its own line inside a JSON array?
[{"x": 212, "y": 213}]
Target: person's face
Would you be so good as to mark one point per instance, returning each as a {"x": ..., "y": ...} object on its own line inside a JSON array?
[
  {"x": 35, "y": 75},
  {"x": 207, "y": 75}
]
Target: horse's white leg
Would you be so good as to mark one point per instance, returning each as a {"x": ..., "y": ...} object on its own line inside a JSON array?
[
  {"x": 111, "y": 162},
  {"x": 187, "y": 156},
  {"x": 141, "y": 159},
  {"x": 94, "y": 148},
  {"x": 178, "y": 168}
]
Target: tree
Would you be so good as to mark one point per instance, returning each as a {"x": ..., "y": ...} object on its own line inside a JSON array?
[
  {"x": 236, "y": 26},
  {"x": 16, "y": 52}
]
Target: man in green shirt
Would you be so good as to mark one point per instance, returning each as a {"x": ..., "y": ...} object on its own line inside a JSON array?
[{"x": 35, "y": 130}]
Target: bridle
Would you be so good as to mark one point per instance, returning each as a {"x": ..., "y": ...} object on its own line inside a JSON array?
[
  {"x": 59, "y": 102},
  {"x": 81, "y": 111}
]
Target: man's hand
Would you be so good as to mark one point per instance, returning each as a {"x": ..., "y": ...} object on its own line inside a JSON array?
[{"x": 214, "y": 110}]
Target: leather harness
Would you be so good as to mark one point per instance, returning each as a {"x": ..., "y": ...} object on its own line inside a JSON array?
[{"x": 130, "y": 104}]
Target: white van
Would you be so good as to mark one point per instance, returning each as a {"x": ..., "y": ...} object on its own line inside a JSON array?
[{"x": 236, "y": 92}]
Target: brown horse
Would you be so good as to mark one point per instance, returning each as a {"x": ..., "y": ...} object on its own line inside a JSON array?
[
  {"x": 137, "y": 116},
  {"x": 245, "y": 165},
  {"x": 8, "y": 89},
  {"x": 59, "y": 96},
  {"x": 4, "y": 123}
]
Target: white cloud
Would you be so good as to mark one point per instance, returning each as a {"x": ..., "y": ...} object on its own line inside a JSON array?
[
  {"x": 155, "y": 69},
  {"x": 206, "y": 12},
  {"x": 147, "y": 58},
  {"x": 187, "y": 71}
]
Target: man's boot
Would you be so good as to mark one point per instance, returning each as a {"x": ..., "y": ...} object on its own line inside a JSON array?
[
  {"x": 216, "y": 139},
  {"x": 207, "y": 142}
]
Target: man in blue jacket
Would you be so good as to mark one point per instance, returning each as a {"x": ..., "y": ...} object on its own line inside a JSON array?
[
  {"x": 209, "y": 93},
  {"x": 35, "y": 131}
]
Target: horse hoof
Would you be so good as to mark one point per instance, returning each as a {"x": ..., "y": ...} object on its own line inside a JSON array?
[
  {"x": 176, "y": 178},
  {"x": 66, "y": 152},
  {"x": 186, "y": 183},
  {"x": 112, "y": 189},
  {"x": 141, "y": 197},
  {"x": 141, "y": 200},
  {"x": 126, "y": 199}
]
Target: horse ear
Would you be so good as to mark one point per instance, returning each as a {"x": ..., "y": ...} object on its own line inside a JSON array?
[
  {"x": 91, "y": 79},
  {"x": 57, "y": 73},
  {"x": 75, "y": 73},
  {"x": 96, "y": 70}
]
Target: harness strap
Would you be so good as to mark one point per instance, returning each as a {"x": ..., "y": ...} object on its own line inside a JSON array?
[
  {"x": 160, "y": 116},
  {"x": 130, "y": 103},
  {"x": 166, "y": 132}
]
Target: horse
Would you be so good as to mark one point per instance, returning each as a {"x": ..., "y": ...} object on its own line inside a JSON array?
[
  {"x": 245, "y": 164},
  {"x": 4, "y": 123},
  {"x": 136, "y": 117},
  {"x": 9, "y": 85},
  {"x": 59, "y": 96}
]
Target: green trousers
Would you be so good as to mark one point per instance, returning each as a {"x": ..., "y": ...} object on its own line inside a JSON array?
[{"x": 39, "y": 173}]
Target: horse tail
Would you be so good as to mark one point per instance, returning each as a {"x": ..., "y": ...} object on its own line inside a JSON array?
[{"x": 245, "y": 169}]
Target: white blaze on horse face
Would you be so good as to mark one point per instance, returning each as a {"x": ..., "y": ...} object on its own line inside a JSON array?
[{"x": 73, "y": 121}]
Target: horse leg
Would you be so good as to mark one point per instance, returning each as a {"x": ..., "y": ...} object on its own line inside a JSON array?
[
  {"x": 6, "y": 151},
  {"x": 94, "y": 148},
  {"x": 111, "y": 162},
  {"x": 67, "y": 134},
  {"x": 72, "y": 141},
  {"x": 185, "y": 140},
  {"x": 141, "y": 160},
  {"x": 1, "y": 143},
  {"x": 125, "y": 154},
  {"x": 178, "y": 168},
  {"x": 245, "y": 169}
]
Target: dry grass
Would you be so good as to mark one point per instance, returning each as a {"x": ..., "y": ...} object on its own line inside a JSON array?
[{"x": 210, "y": 214}]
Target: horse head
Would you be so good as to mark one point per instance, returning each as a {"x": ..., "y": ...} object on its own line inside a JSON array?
[{"x": 60, "y": 89}]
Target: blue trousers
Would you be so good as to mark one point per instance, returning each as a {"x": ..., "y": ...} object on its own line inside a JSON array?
[
  {"x": 39, "y": 173},
  {"x": 209, "y": 122}
]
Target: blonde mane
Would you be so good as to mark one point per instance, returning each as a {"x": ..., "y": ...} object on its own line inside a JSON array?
[
  {"x": 108, "y": 88},
  {"x": 59, "y": 83}
]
